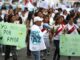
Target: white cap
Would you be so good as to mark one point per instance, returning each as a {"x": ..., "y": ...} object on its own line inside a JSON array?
[{"x": 38, "y": 19}]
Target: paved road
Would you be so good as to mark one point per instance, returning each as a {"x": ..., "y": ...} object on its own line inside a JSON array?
[{"x": 22, "y": 56}]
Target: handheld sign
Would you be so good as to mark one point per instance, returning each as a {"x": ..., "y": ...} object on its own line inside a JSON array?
[
  {"x": 70, "y": 45},
  {"x": 12, "y": 34}
]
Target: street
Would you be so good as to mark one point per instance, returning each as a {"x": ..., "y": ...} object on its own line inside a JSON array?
[{"x": 22, "y": 56}]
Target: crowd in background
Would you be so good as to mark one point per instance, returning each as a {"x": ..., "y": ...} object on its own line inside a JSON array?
[{"x": 48, "y": 19}]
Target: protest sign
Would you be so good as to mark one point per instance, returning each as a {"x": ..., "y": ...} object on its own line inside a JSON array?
[
  {"x": 70, "y": 45},
  {"x": 12, "y": 34}
]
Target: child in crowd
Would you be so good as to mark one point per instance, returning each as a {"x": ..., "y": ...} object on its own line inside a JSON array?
[
  {"x": 46, "y": 36},
  {"x": 57, "y": 30}
]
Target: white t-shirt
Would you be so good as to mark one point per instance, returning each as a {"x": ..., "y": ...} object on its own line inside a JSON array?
[
  {"x": 36, "y": 39},
  {"x": 46, "y": 35},
  {"x": 78, "y": 22},
  {"x": 51, "y": 22},
  {"x": 65, "y": 16},
  {"x": 58, "y": 27},
  {"x": 68, "y": 27},
  {"x": 16, "y": 22},
  {"x": 24, "y": 18}
]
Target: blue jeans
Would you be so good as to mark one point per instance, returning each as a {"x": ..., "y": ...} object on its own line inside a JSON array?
[{"x": 36, "y": 55}]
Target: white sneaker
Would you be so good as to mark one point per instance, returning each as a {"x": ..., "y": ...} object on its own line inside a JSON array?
[
  {"x": 10, "y": 54},
  {"x": 3, "y": 54}
]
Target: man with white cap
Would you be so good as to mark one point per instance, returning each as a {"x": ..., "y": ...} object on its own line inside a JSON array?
[{"x": 36, "y": 38}]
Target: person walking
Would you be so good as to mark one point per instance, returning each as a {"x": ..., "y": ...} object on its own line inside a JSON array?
[{"x": 36, "y": 43}]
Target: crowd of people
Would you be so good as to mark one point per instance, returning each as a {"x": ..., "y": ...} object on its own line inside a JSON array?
[{"x": 44, "y": 28}]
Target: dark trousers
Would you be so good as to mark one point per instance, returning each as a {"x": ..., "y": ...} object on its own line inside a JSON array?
[
  {"x": 2, "y": 48},
  {"x": 69, "y": 57},
  {"x": 57, "y": 52},
  {"x": 11, "y": 49},
  {"x": 28, "y": 51},
  {"x": 27, "y": 41}
]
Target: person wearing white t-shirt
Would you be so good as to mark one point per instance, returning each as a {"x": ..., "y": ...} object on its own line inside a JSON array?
[
  {"x": 57, "y": 30},
  {"x": 78, "y": 22},
  {"x": 46, "y": 27},
  {"x": 24, "y": 15},
  {"x": 36, "y": 43},
  {"x": 71, "y": 28},
  {"x": 65, "y": 13}
]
